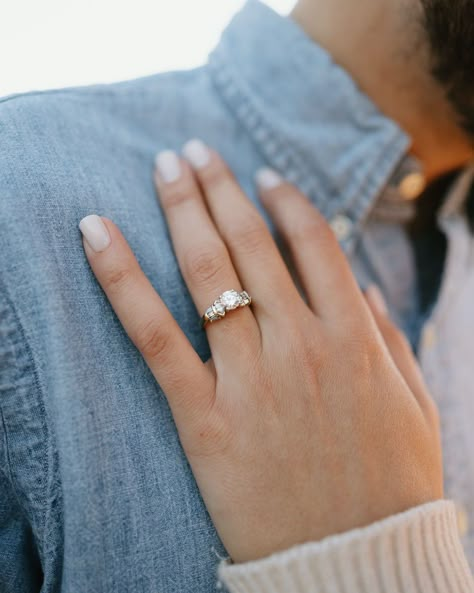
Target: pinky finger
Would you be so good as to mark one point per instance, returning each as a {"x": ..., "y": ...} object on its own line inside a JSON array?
[{"x": 400, "y": 350}]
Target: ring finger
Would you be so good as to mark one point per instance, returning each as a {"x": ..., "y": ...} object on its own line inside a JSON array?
[
  {"x": 202, "y": 255},
  {"x": 251, "y": 246}
]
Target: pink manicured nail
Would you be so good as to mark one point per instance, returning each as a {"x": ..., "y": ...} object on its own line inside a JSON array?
[
  {"x": 197, "y": 153},
  {"x": 267, "y": 179},
  {"x": 168, "y": 166},
  {"x": 95, "y": 232},
  {"x": 377, "y": 299}
]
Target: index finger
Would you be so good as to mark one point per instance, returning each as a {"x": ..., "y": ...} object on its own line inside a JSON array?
[{"x": 185, "y": 380}]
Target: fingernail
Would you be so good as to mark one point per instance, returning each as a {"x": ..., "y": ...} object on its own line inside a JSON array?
[
  {"x": 267, "y": 179},
  {"x": 197, "y": 153},
  {"x": 95, "y": 232},
  {"x": 377, "y": 299},
  {"x": 168, "y": 166}
]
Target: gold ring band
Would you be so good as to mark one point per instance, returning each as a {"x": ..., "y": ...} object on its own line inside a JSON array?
[{"x": 228, "y": 301}]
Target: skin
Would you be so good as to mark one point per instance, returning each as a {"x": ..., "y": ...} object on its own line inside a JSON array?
[
  {"x": 304, "y": 410},
  {"x": 382, "y": 45}
]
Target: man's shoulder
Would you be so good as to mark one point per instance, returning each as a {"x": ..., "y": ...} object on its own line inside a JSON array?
[
  {"x": 49, "y": 107},
  {"x": 80, "y": 134},
  {"x": 67, "y": 153},
  {"x": 144, "y": 87},
  {"x": 39, "y": 118}
]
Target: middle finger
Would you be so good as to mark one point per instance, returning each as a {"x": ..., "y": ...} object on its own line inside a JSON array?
[{"x": 202, "y": 255}]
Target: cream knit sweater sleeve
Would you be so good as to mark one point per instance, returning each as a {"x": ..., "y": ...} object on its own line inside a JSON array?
[{"x": 418, "y": 551}]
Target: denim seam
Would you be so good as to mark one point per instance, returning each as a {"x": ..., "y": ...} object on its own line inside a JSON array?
[
  {"x": 16, "y": 96},
  {"x": 101, "y": 89},
  {"x": 8, "y": 473},
  {"x": 9, "y": 308}
]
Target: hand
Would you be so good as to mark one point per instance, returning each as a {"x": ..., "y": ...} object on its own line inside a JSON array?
[{"x": 311, "y": 419}]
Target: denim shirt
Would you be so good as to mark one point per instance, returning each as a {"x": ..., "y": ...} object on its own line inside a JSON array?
[{"x": 96, "y": 495}]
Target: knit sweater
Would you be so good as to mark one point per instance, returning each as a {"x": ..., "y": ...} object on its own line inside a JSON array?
[{"x": 418, "y": 551}]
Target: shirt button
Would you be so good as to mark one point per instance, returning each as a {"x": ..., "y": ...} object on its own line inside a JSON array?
[
  {"x": 429, "y": 337},
  {"x": 412, "y": 185},
  {"x": 341, "y": 226},
  {"x": 462, "y": 520}
]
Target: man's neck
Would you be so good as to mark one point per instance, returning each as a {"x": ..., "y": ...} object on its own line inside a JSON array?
[{"x": 381, "y": 44}]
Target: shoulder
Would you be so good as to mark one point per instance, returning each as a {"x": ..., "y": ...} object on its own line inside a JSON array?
[
  {"x": 44, "y": 129},
  {"x": 54, "y": 144},
  {"x": 54, "y": 139},
  {"x": 51, "y": 108},
  {"x": 34, "y": 122},
  {"x": 67, "y": 153}
]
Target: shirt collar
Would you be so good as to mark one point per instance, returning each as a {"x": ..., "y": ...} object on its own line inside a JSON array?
[{"x": 306, "y": 114}]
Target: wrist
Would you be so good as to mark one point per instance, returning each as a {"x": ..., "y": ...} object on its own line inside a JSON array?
[{"x": 418, "y": 550}]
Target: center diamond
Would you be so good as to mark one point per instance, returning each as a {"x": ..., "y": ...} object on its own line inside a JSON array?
[{"x": 231, "y": 299}]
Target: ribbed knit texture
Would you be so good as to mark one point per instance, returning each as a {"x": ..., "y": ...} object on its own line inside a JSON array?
[{"x": 418, "y": 551}]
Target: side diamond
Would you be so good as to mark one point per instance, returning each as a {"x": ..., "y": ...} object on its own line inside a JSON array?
[
  {"x": 218, "y": 308},
  {"x": 246, "y": 300}
]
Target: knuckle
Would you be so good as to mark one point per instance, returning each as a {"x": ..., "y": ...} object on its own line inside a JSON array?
[
  {"x": 373, "y": 354},
  {"x": 314, "y": 229},
  {"x": 305, "y": 231},
  {"x": 249, "y": 236},
  {"x": 362, "y": 350},
  {"x": 215, "y": 174},
  {"x": 154, "y": 340},
  {"x": 206, "y": 265},
  {"x": 116, "y": 279},
  {"x": 357, "y": 326},
  {"x": 355, "y": 332},
  {"x": 177, "y": 194}
]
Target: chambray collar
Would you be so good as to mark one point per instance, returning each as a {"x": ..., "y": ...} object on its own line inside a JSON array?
[{"x": 306, "y": 114}]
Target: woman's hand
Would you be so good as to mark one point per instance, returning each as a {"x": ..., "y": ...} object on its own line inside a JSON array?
[{"x": 311, "y": 419}]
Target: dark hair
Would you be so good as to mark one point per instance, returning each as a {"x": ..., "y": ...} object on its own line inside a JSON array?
[{"x": 449, "y": 25}]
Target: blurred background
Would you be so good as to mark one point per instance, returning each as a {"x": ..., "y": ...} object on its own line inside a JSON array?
[{"x": 57, "y": 43}]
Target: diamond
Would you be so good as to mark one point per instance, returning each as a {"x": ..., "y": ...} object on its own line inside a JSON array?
[
  {"x": 246, "y": 300},
  {"x": 218, "y": 308},
  {"x": 231, "y": 299}
]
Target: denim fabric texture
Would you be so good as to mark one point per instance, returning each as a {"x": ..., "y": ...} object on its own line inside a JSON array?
[{"x": 96, "y": 495}]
